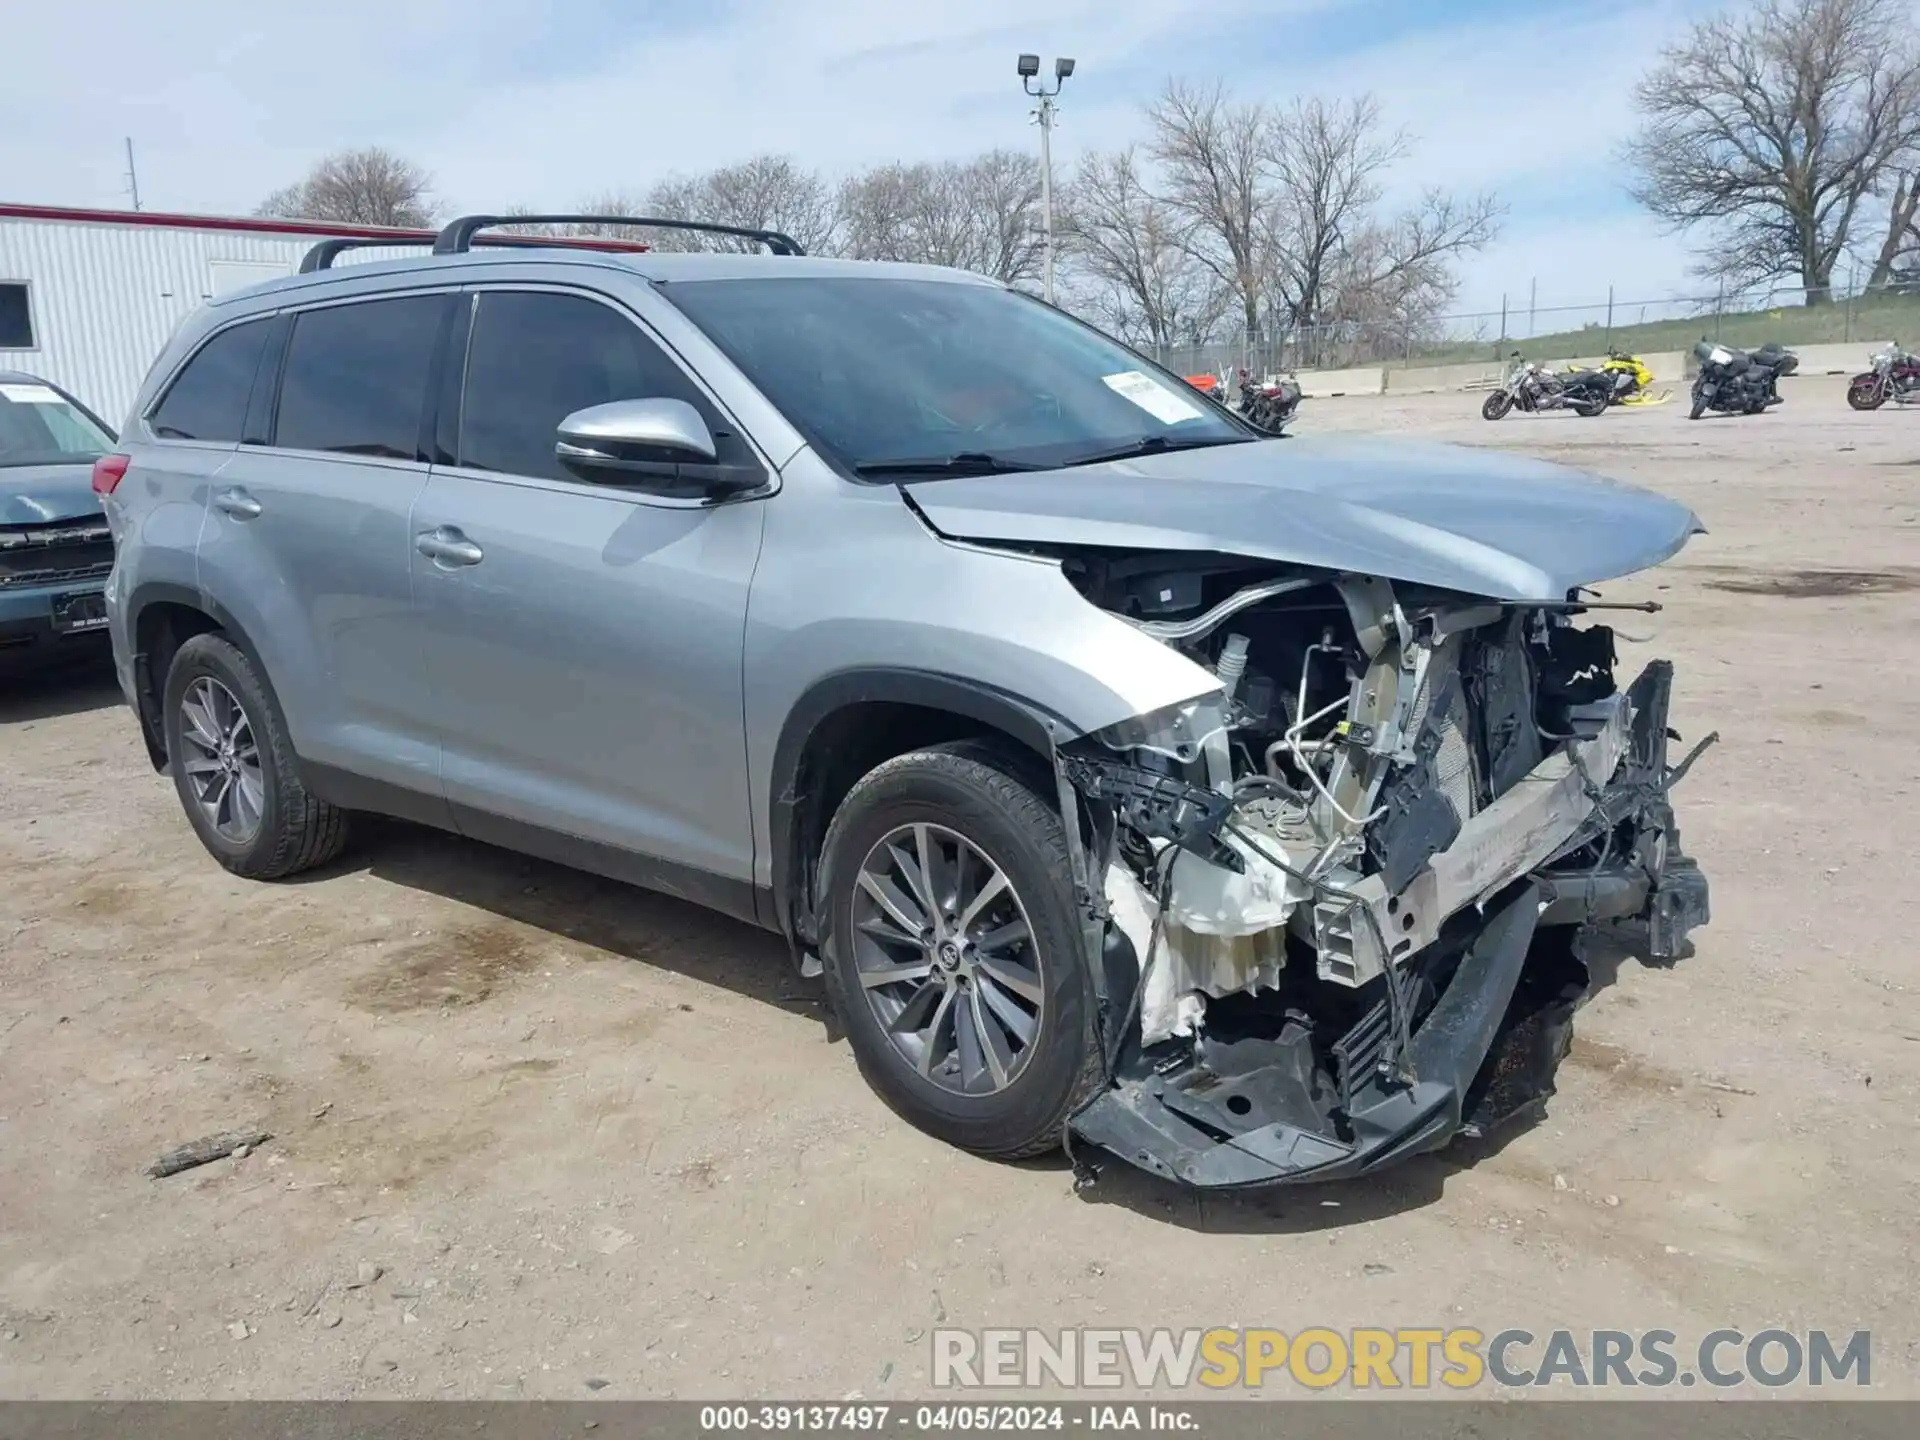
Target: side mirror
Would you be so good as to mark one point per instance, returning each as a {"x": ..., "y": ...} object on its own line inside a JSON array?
[
  {"x": 657, "y": 444},
  {"x": 627, "y": 433}
]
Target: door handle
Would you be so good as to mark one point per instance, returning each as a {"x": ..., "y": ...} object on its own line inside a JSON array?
[
  {"x": 448, "y": 546},
  {"x": 237, "y": 503}
]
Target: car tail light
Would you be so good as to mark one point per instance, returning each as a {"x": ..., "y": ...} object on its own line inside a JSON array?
[{"x": 107, "y": 471}]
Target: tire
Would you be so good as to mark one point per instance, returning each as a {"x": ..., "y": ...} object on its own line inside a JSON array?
[
  {"x": 1866, "y": 395},
  {"x": 1699, "y": 403},
  {"x": 1496, "y": 405},
  {"x": 291, "y": 829},
  {"x": 1587, "y": 407},
  {"x": 966, "y": 791}
]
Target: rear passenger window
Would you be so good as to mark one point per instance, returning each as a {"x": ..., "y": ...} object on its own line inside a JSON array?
[
  {"x": 208, "y": 399},
  {"x": 536, "y": 358},
  {"x": 355, "y": 377}
]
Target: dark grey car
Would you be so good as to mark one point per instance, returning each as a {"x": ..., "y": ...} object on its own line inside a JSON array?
[{"x": 1232, "y": 803}]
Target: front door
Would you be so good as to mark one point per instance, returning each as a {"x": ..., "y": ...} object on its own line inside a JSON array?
[{"x": 584, "y": 640}]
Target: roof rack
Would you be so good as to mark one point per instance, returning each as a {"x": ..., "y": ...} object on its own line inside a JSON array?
[
  {"x": 458, "y": 236},
  {"x": 322, "y": 255}
]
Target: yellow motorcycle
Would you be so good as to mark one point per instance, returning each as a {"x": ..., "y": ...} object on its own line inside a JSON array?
[{"x": 1630, "y": 381}]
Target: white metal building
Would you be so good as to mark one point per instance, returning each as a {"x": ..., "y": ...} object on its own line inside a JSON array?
[{"x": 89, "y": 297}]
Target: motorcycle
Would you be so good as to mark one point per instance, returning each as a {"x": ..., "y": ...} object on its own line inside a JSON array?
[
  {"x": 1533, "y": 388},
  {"x": 1895, "y": 376},
  {"x": 1631, "y": 381},
  {"x": 1268, "y": 407},
  {"x": 1735, "y": 382}
]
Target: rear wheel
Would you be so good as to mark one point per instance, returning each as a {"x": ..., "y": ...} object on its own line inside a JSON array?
[
  {"x": 233, "y": 766},
  {"x": 1588, "y": 406},
  {"x": 1866, "y": 394},
  {"x": 1496, "y": 405},
  {"x": 952, "y": 952}
]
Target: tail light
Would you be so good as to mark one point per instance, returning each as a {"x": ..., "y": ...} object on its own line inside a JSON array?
[{"x": 107, "y": 472}]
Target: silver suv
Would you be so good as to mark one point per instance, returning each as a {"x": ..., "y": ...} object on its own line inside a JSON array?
[{"x": 1229, "y": 803}]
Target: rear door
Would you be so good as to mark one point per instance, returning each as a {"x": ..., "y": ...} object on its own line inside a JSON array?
[
  {"x": 584, "y": 639},
  {"x": 309, "y": 537}
]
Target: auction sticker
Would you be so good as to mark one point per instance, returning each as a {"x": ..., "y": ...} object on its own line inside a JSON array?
[
  {"x": 1151, "y": 396},
  {"x": 31, "y": 395}
]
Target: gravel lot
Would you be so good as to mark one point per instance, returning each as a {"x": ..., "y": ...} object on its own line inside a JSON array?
[{"x": 540, "y": 1135}]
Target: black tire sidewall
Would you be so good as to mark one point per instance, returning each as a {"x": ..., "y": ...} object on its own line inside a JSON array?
[
  {"x": 943, "y": 789},
  {"x": 217, "y": 657},
  {"x": 1496, "y": 405}
]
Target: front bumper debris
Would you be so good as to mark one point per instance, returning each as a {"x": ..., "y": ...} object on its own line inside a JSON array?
[{"x": 1480, "y": 987}]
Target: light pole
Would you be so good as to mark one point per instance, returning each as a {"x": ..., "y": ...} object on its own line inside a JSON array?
[{"x": 1029, "y": 71}]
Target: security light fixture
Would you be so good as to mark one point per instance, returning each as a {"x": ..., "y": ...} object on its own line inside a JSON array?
[
  {"x": 1029, "y": 66},
  {"x": 1062, "y": 68}
]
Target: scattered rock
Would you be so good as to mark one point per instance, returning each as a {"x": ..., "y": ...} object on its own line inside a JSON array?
[
  {"x": 594, "y": 1382},
  {"x": 1559, "y": 1182},
  {"x": 1095, "y": 1268},
  {"x": 239, "y": 1330},
  {"x": 320, "y": 1112},
  {"x": 939, "y": 1310},
  {"x": 886, "y": 1372},
  {"x": 1612, "y": 1202},
  {"x": 240, "y": 1152},
  {"x": 1375, "y": 1268},
  {"x": 365, "y": 1273},
  {"x": 331, "y": 1320},
  {"x": 610, "y": 1239}
]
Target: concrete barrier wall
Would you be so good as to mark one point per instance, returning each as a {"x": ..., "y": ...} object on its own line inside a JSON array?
[
  {"x": 1425, "y": 379},
  {"x": 1365, "y": 381}
]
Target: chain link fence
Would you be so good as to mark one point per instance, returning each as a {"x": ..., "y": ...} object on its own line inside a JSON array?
[{"x": 1747, "y": 319}]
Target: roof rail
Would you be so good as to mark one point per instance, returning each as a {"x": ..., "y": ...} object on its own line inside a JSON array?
[
  {"x": 458, "y": 236},
  {"x": 322, "y": 255}
]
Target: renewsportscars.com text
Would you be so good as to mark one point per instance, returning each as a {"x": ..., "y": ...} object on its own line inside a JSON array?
[{"x": 1456, "y": 1358}]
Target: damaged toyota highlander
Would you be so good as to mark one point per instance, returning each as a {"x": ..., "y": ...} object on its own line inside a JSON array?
[{"x": 1242, "y": 807}]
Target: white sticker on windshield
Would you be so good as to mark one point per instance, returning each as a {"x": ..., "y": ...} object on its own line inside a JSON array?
[
  {"x": 31, "y": 395},
  {"x": 1153, "y": 397}
]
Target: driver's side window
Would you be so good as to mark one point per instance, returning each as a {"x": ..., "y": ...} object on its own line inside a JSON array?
[{"x": 535, "y": 357}]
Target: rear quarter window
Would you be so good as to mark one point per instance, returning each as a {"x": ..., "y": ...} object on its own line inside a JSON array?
[{"x": 208, "y": 398}]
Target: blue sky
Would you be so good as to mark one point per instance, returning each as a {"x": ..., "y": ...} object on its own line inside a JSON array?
[{"x": 545, "y": 101}]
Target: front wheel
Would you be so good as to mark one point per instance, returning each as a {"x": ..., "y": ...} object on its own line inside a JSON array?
[
  {"x": 1496, "y": 405},
  {"x": 1699, "y": 403},
  {"x": 1868, "y": 394},
  {"x": 953, "y": 950}
]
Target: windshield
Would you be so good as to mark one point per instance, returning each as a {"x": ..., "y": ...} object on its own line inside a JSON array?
[
  {"x": 893, "y": 377},
  {"x": 40, "y": 426}
]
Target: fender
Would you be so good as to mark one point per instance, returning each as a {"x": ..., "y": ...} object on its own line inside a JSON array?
[
  {"x": 147, "y": 686},
  {"x": 1037, "y": 729}
]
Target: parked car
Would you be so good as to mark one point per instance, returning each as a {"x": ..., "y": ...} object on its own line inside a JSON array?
[
  {"x": 55, "y": 550},
  {"x": 1228, "y": 803}
]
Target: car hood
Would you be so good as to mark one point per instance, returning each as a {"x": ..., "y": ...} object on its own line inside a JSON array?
[
  {"x": 35, "y": 494},
  {"x": 1477, "y": 521}
]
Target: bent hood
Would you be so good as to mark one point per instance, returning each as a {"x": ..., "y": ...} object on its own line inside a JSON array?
[
  {"x": 1477, "y": 521},
  {"x": 36, "y": 494}
]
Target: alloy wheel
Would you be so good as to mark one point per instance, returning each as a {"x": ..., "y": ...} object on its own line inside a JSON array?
[
  {"x": 945, "y": 957},
  {"x": 223, "y": 760}
]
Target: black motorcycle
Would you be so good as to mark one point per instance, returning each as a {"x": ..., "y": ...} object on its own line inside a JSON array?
[
  {"x": 1532, "y": 387},
  {"x": 1736, "y": 382},
  {"x": 1268, "y": 407}
]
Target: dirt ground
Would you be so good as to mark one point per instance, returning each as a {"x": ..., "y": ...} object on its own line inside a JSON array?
[{"x": 539, "y": 1135}]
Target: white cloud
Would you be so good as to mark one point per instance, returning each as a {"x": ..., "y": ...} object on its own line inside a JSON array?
[{"x": 546, "y": 101}]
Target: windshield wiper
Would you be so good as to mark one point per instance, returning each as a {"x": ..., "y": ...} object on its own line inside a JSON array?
[
  {"x": 1151, "y": 445},
  {"x": 967, "y": 462}
]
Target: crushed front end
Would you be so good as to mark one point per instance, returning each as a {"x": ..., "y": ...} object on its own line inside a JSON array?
[{"x": 1339, "y": 907}]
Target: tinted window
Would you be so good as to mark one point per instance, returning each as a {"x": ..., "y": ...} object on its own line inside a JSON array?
[
  {"x": 208, "y": 399},
  {"x": 536, "y": 358},
  {"x": 356, "y": 377},
  {"x": 877, "y": 371},
  {"x": 16, "y": 318}
]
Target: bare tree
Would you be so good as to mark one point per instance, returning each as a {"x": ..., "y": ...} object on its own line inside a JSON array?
[
  {"x": 767, "y": 192},
  {"x": 1217, "y": 163},
  {"x": 358, "y": 187},
  {"x": 1902, "y": 236},
  {"x": 981, "y": 214},
  {"x": 1772, "y": 126},
  {"x": 1131, "y": 254}
]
